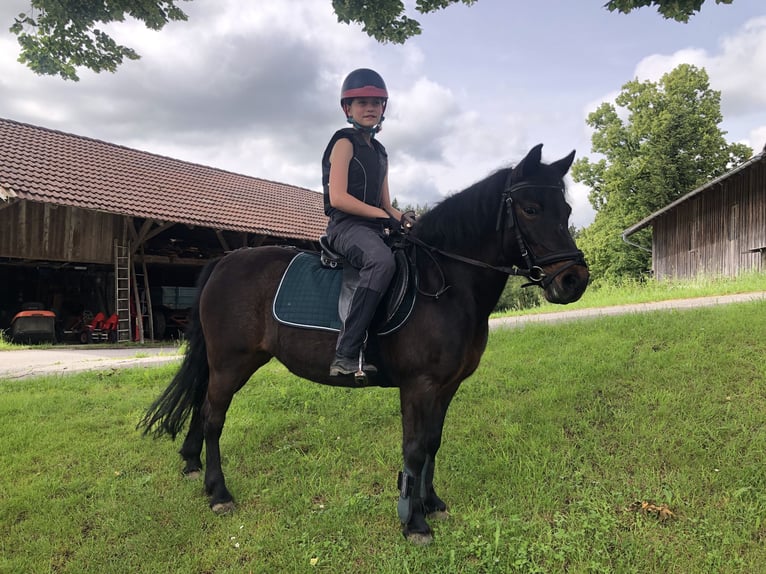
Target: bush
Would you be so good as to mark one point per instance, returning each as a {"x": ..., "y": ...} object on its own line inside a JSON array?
[{"x": 517, "y": 298}]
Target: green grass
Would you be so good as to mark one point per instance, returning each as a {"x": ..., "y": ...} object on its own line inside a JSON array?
[{"x": 545, "y": 449}]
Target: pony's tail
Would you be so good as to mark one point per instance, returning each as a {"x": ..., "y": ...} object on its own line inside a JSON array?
[{"x": 186, "y": 391}]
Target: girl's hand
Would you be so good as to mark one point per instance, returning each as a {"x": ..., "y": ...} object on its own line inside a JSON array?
[{"x": 408, "y": 220}]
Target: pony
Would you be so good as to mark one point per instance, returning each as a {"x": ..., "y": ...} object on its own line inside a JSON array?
[{"x": 513, "y": 222}]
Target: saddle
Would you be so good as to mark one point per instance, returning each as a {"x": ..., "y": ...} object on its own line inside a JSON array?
[{"x": 316, "y": 289}]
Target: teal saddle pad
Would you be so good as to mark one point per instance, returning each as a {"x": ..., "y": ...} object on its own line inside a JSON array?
[{"x": 308, "y": 295}]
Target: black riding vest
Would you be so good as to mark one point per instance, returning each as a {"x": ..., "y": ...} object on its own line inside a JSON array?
[{"x": 366, "y": 171}]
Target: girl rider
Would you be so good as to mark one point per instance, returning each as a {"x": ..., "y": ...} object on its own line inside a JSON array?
[{"x": 357, "y": 201}]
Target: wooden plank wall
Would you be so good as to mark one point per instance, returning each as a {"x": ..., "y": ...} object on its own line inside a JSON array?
[
  {"x": 714, "y": 233},
  {"x": 31, "y": 230}
]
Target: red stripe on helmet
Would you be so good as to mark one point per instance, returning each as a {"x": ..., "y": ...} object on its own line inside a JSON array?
[{"x": 365, "y": 92}]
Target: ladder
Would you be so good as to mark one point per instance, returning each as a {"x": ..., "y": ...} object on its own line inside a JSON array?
[
  {"x": 122, "y": 289},
  {"x": 143, "y": 298}
]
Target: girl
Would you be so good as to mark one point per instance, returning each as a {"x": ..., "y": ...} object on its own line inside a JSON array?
[{"x": 357, "y": 201}]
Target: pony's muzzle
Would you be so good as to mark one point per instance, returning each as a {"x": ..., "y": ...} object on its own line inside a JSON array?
[{"x": 565, "y": 281}]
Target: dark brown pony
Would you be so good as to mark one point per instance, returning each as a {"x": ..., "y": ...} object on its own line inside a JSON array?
[{"x": 513, "y": 222}]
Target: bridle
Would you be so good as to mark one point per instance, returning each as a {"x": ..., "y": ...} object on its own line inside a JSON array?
[
  {"x": 534, "y": 270},
  {"x": 534, "y": 265}
]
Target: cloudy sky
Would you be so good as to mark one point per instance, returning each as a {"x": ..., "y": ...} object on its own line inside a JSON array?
[{"x": 252, "y": 87}]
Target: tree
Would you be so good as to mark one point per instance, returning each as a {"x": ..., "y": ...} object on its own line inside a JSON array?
[
  {"x": 417, "y": 208},
  {"x": 668, "y": 145},
  {"x": 385, "y": 20},
  {"x": 61, "y": 35},
  {"x": 678, "y": 10}
]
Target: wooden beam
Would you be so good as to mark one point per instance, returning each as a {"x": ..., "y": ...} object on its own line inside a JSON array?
[
  {"x": 222, "y": 240},
  {"x": 7, "y": 202},
  {"x": 140, "y": 237},
  {"x": 132, "y": 231},
  {"x": 161, "y": 226}
]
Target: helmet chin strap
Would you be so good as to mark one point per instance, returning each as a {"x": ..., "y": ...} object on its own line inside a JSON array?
[{"x": 372, "y": 131}]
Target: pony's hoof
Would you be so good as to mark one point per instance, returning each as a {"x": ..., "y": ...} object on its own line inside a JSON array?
[
  {"x": 438, "y": 515},
  {"x": 419, "y": 539},
  {"x": 193, "y": 474},
  {"x": 221, "y": 508}
]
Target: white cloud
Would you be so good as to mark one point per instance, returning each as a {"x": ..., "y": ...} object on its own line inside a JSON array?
[
  {"x": 740, "y": 70},
  {"x": 653, "y": 67},
  {"x": 757, "y": 139},
  {"x": 582, "y": 211},
  {"x": 419, "y": 118}
]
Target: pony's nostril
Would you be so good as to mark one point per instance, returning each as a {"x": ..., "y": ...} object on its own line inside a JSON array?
[{"x": 569, "y": 281}]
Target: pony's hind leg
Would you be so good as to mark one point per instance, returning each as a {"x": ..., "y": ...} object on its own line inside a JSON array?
[
  {"x": 225, "y": 380},
  {"x": 191, "y": 450}
]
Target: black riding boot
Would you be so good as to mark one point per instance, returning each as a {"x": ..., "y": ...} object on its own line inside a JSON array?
[{"x": 354, "y": 332}]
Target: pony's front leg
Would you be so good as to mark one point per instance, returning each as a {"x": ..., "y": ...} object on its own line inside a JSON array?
[
  {"x": 434, "y": 507},
  {"x": 422, "y": 421}
]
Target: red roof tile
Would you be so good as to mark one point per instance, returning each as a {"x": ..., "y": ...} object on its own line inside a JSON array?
[{"x": 39, "y": 164}]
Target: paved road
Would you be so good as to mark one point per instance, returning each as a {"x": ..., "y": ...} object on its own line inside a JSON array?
[{"x": 61, "y": 361}]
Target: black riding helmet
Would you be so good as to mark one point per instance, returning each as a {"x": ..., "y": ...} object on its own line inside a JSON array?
[{"x": 363, "y": 83}]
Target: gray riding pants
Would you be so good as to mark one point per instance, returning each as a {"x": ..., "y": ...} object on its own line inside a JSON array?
[{"x": 362, "y": 245}]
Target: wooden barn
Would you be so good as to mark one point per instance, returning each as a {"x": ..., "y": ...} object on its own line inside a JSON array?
[
  {"x": 718, "y": 229},
  {"x": 87, "y": 226}
]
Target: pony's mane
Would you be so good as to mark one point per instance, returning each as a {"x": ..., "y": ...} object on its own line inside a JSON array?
[{"x": 464, "y": 218}]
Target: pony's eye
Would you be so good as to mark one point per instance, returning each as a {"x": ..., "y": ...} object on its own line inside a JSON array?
[{"x": 530, "y": 210}]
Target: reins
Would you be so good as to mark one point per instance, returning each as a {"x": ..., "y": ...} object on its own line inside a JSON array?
[{"x": 534, "y": 274}]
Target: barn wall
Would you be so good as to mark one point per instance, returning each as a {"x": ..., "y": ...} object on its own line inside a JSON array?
[
  {"x": 718, "y": 232},
  {"x": 42, "y": 231}
]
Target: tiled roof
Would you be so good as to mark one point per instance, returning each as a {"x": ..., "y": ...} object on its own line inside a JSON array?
[{"x": 39, "y": 164}]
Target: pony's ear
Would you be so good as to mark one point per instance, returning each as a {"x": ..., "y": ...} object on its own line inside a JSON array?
[
  {"x": 562, "y": 166},
  {"x": 530, "y": 163}
]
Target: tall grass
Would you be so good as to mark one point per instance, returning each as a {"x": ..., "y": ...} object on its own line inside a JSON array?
[
  {"x": 5, "y": 342},
  {"x": 546, "y": 449}
]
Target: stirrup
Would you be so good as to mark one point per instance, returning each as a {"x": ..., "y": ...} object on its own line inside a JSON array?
[{"x": 360, "y": 377}]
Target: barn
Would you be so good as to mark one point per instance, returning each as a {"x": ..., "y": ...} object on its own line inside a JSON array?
[
  {"x": 87, "y": 226},
  {"x": 719, "y": 229}
]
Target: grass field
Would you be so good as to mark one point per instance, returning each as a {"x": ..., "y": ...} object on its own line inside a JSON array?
[{"x": 549, "y": 451}]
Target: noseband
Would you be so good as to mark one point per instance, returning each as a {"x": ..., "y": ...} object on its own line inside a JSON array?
[{"x": 534, "y": 265}]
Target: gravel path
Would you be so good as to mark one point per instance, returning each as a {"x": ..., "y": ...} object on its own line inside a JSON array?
[
  {"x": 624, "y": 309},
  {"x": 62, "y": 360}
]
